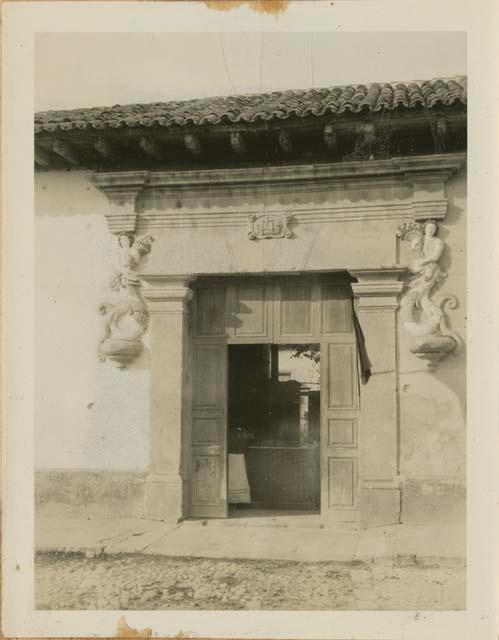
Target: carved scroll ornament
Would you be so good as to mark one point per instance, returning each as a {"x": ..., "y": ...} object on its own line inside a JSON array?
[
  {"x": 423, "y": 318},
  {"x": 125, "y": 316}
]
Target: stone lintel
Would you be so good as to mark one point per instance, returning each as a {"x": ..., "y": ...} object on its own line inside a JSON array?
[{"x": 121, "y": 189}]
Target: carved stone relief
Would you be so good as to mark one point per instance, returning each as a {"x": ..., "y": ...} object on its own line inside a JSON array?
[
  {"x": 422, "y": 317},
  {"x": 125, "y": 315},
  {"x": 269, "y": 225}
]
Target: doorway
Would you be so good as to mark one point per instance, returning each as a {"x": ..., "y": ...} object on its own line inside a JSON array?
[
  {"x": 249, "y": 335},
  {"x": 273, "y": 425}
]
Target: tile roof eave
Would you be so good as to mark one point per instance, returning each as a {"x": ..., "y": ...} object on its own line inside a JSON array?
[{"x": 249, "y": 109}]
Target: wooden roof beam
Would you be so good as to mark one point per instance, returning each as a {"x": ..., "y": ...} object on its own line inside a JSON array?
[
  {"x": 151, "y": 147},
  {"x": 285, "y": 141},
  {"x": 193, "y": 144},
  {"x": 65, "y": 151},
  {"x": 440, "y": 133},
  {"x": 238, "y": 143},
  {"x": 330, "y": 136},
  {"x": 105, "y": 148}
]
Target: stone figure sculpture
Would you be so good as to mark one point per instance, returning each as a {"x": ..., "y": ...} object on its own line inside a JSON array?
[
  {"x": 423, "y": 318},
  {"x": 125, "y": 318}
]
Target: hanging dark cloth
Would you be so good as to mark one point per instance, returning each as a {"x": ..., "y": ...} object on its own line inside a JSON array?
[{"x": 364, "y": 362}]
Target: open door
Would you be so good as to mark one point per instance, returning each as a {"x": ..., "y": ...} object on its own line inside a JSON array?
[
  {"x": 339, "y": 408},
  {"x": 209, "y": 431}
]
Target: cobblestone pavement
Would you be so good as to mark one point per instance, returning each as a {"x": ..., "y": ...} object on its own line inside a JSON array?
[{"x": 65, "y": 581}]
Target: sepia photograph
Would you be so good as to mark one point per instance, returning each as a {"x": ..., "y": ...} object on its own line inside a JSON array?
[
  {"x": 266, "y": 406},
  {"x": 250, "y": 329}
]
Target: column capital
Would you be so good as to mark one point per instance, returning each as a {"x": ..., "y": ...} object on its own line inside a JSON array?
[
  {"x": 167, "y": 293},
  {"x": 378, "y": 288}
]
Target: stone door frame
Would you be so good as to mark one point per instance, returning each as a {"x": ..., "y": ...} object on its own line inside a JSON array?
[{"x": 376, "y": 292}]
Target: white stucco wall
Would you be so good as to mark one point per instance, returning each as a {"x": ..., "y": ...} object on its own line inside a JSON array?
[
  {"x": 433, "y": 405},
  {"x": 87, "y": 414},
  {"x": 90, "y": 415}
]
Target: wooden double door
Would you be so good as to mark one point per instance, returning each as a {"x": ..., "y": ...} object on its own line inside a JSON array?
[{"x": 276, "y": 310}]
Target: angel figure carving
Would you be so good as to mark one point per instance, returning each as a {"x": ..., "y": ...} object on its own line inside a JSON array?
[
  {"x": 125, "y": 317},
  {"x": 421, "y": 316}
]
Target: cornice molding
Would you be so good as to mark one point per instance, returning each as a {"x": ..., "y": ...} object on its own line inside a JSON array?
[
  {"x": 216, "y": 217},
  {"x": 405, "y": 168}
]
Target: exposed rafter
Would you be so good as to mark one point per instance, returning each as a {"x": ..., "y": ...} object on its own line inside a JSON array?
[
  {"x": 65, "y": 151},
  {"x": 440, "y": 133},
  {"x": 151, "y": 147},
  {"x": 105, "y": 148},
  {"x": 193, "y": 144},
  {"x": 330, "y": 137},
  {"x": 285, "y": 141},
  {"x": 238, "y": 142}
]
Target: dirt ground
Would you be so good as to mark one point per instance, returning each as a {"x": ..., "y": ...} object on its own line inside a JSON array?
[{"x": 73, "y": 581}]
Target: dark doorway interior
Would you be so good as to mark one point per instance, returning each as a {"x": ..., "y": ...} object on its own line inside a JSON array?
[{"x": 274, "y": 426}]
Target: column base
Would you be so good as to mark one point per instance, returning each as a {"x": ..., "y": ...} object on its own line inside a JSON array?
[
  {"x": 164, "y": 497},
  {"x": 379, "y": 505}
]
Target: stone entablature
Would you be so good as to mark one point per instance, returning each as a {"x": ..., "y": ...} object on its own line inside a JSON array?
[{"x": 215, "y": 197}]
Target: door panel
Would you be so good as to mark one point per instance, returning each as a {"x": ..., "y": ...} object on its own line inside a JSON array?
[
  {"x": 336, "y": 308},
  {"x": 250, "y": 313},
  {"x": 339, "y": 409},
  {"x": 341, "y": 375},
  {"x": 209, "y": 431},
  {"x": 342, "y": 482},
  {"x": 294, "y": 307},
  {"x": 210, "y": 311},
  {"x": 208, "y": 394}
]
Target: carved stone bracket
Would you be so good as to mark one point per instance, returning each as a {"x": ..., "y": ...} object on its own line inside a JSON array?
[
  {"x": 269, "y": 225},
  {"x": 423, "y": 318},
  {"x": 121, "y": 189},
  {"x": 428, "y": 178},
  {"x": 125, "y": 315}
]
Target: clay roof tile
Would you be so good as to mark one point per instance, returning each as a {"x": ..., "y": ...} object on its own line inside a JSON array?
[{"x": 278, "y": 105}]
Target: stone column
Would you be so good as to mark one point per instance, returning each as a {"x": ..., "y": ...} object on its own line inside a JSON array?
[
  {"x": 166, "y": 486},
  {"x": 377, "y": 292}
]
